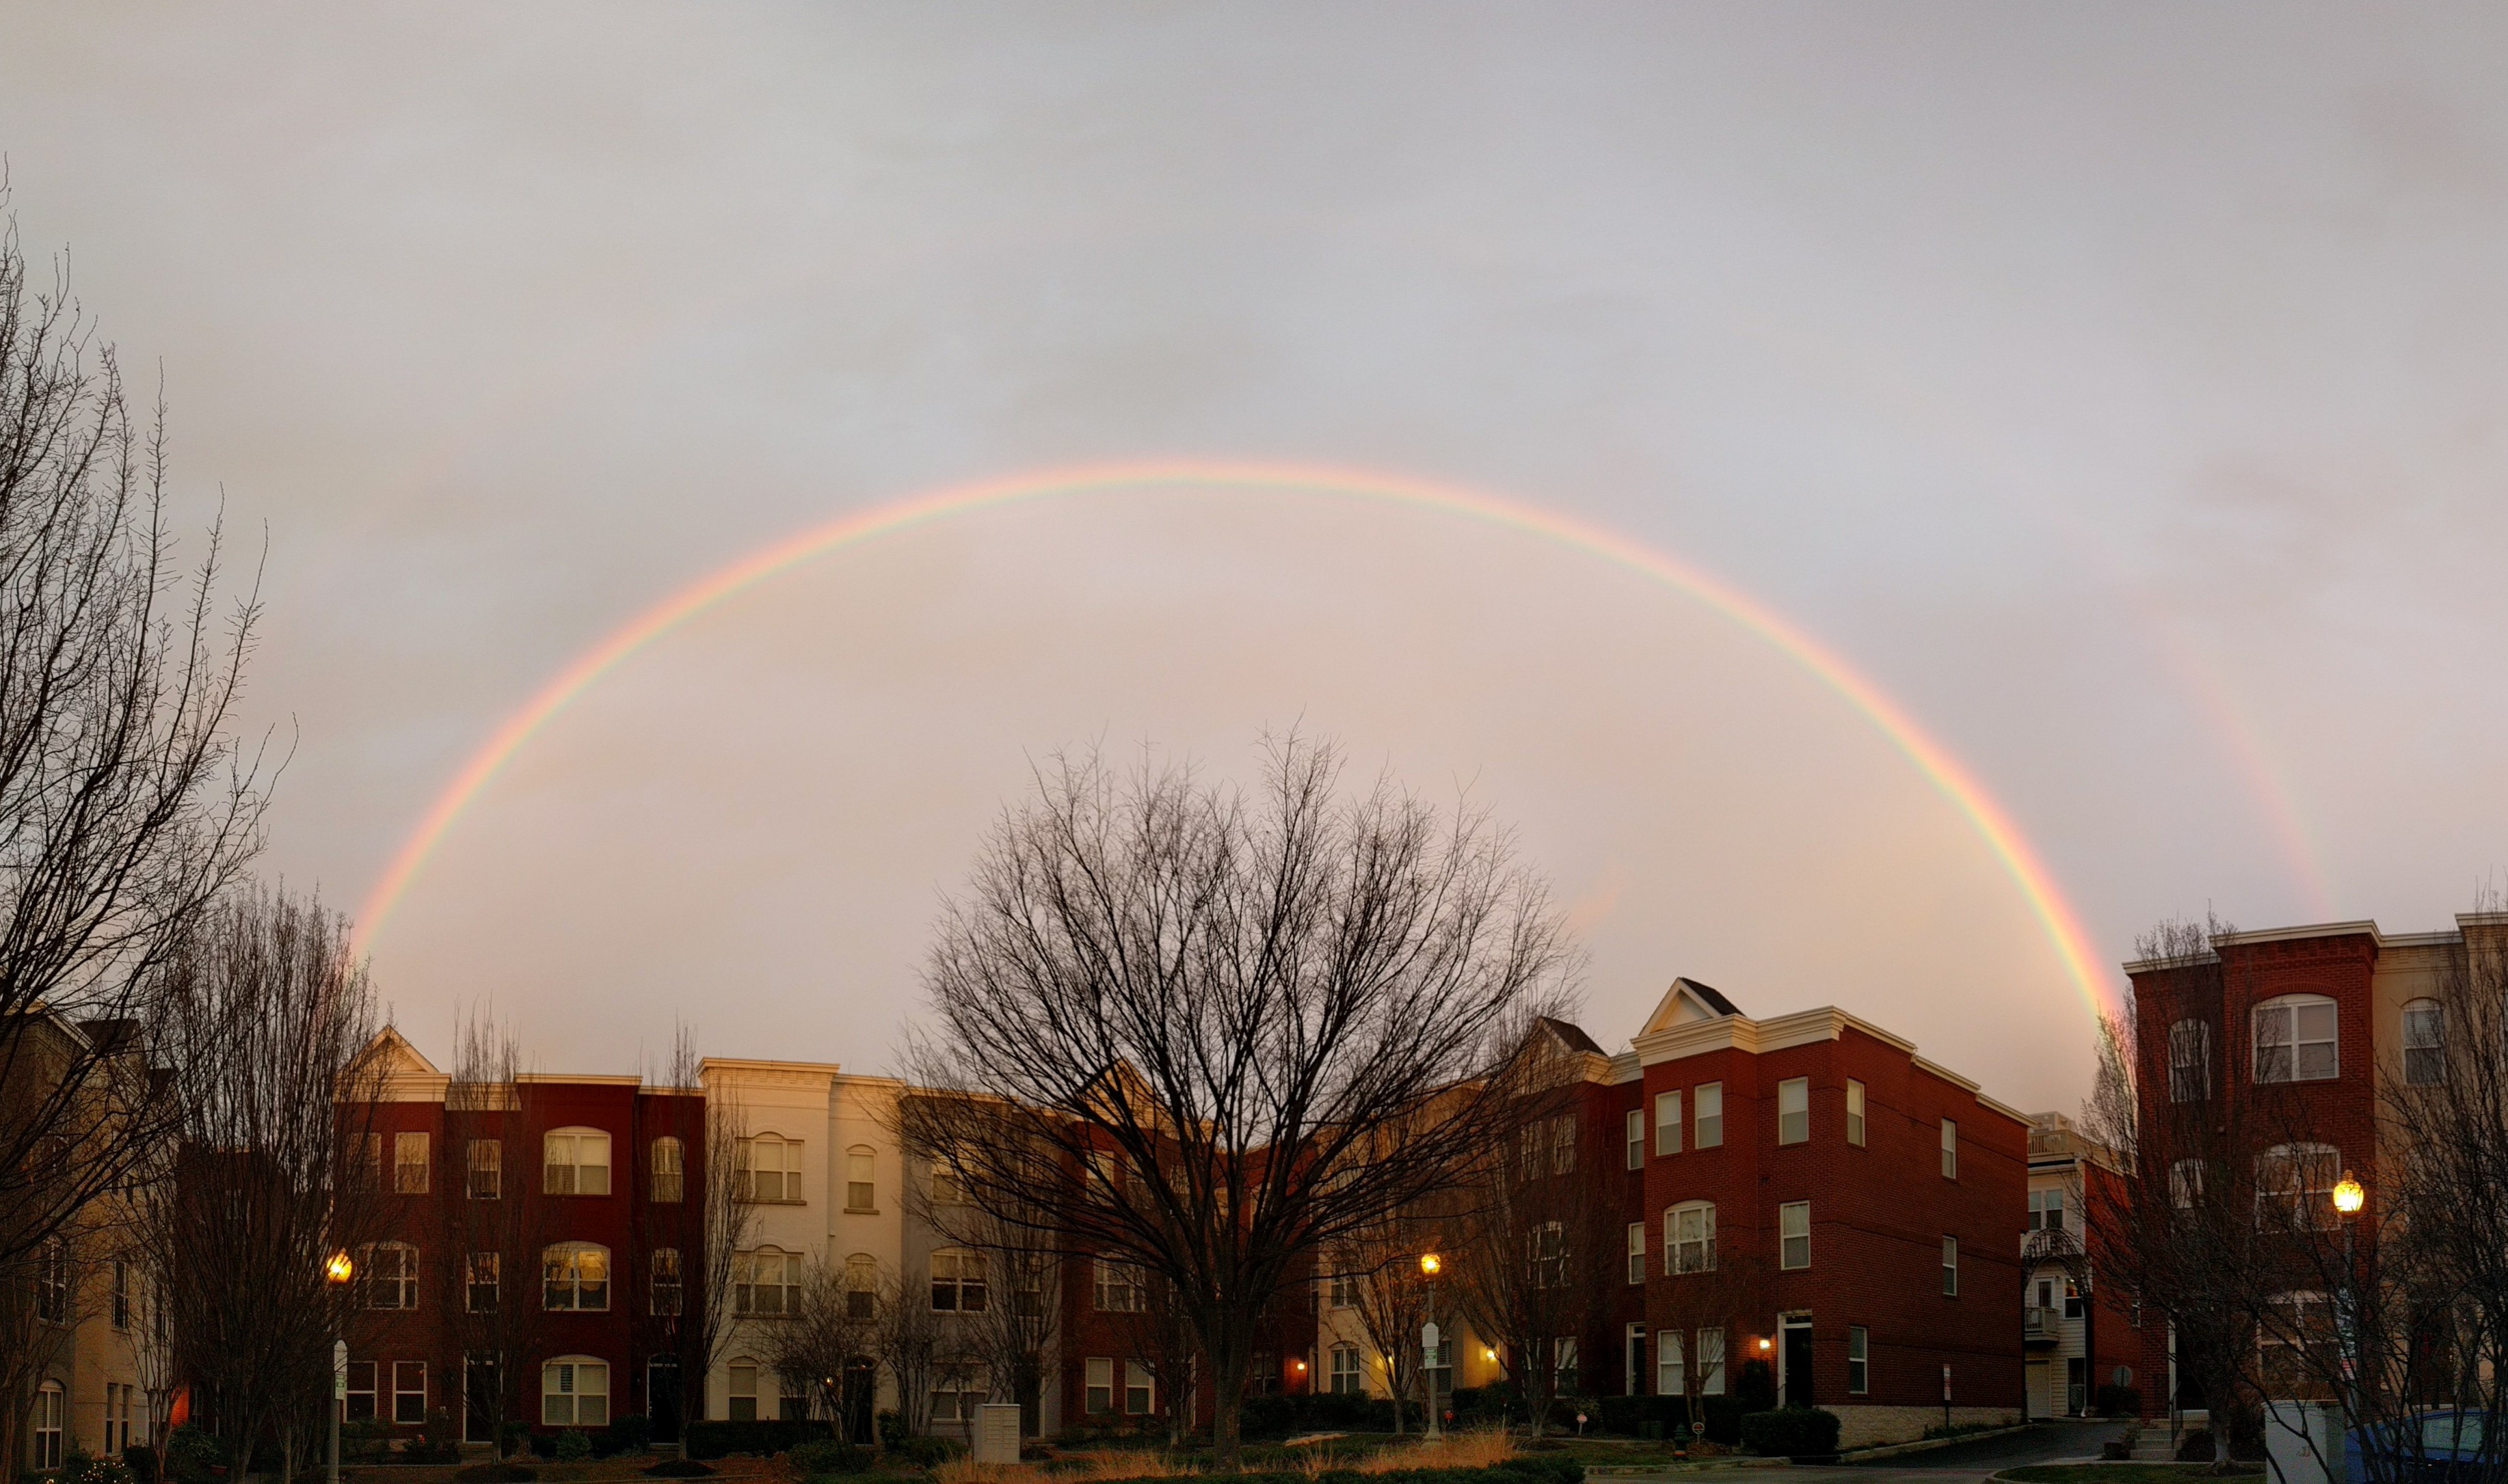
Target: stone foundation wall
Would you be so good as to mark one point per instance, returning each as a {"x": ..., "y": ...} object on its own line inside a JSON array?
[{"x": 1870, "y": 1426}]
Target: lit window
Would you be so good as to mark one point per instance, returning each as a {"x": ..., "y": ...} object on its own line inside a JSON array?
[
  {"x": 574, "y": 1392},
  {"x": 765, "y": 1282},
  {"x": 576, "y": 1162},
  {"x": 1637, "y": 1251},
  {"x": 482, "y": 1280},
  {"x": 409, "y": 1164},
  {"x": 1793, "y": 1111},
  {"x": 1711, "y": 1115},
  {"x": 2424, "y": 1042},
  {"x": 1950, "y": 1267},
  {"x": 1347, "y": 1379},
  {"x": 1140, "y": 1390},
  {"x": 670, "y": 1172},
  {"x": 958, "y": 1283},
  {"x": 2295, "y": 1039},
  {"x": 409, "y": 1391},
  {"x": 574, "y": 1276},
  {"x": 1667, "y": 1123},
  {"x": 1689, "y": 1238},
  {"x": 1100, "y": 1398},
  {"x": 1793, "y": 1233},
  {"x": 486, "y": 1158},
  {"x": 2190, "y": 1061},
  {"x": 1117, "y": 1286},
  {"x": 860, "y": 1189},
  {"x": 1858, "y": 1360},
  {"x": 1950, "y": 1150},
  {"x": 669, "y": 1289},
  {"x": 767, "y": 1169},
  {"x": 1637, "y": 1139},
  {"x": 387, "y": 1272},
  {"x": 1855, "y": 1113},
  {"x": 2295, "y": 1187}
]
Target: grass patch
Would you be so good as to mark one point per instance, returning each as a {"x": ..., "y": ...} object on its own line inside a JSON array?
[{"x": 2119, "y": 1473}]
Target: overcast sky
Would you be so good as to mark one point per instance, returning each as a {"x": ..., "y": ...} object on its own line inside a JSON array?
[{"x": 2118, "y": 388}]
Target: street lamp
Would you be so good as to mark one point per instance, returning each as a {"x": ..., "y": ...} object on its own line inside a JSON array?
[
  {"x": 337, "y": 1273},
  {"x": 2348, "y": 1198},
  {"x": 1429, "y": 1264}
]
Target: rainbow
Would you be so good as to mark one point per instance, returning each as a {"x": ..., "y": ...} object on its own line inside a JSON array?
[{"x": 1992, "y": 824}]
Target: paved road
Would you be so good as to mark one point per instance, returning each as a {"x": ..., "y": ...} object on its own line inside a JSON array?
[{"x": 1958, "y": 1463}]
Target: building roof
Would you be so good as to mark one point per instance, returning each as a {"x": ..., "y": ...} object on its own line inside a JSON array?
[{"x": 1571, "y": 1035}]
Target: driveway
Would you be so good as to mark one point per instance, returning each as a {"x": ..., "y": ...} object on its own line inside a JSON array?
[{"x": 2044, "y": 1442}]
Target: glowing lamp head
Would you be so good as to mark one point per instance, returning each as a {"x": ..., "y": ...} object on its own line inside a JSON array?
[
  {"x": 1301, "y": 1366},
  {"x": 1764, "y": 1345},
  {"x": 1487, "y": 1354},
  {"x": 339, "y": 1269},
  {"x": 1430, "y": 1262},
  {"x": 2348, "y": 1197}
]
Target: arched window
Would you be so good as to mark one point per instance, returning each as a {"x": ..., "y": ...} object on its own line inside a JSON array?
[
  {"x": 862, "y": 1286},
  {"x": 767, "y": 1166},
  {"x": 2190, "y": 1061},
  {"x": 574, "y": 1276},
  {"x": 2295, "y": 1187},
  {"x": 574, "y": 1392},
  {"x": 2424, "y": 1042},
  {"x": 669, "y": 1296},
  {"x": 47, "y": 1452},
  {"x": 958, "y": 1283},
  {"x": 2295, "y": 1039},
  {"x": 861, "y": 1189},
  {"x": 386, "y": 1273},
  {"x": 767, "y": 1280},
  {"x": 670, "y": 1172},
  {"x": 1689, "y": 1238},
  {"x": 576, "y": 1162}
]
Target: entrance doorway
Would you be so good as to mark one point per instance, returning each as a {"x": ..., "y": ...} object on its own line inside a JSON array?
[
  {"x": 1637, "y": 1364},
  {"x": 861, "y": 1391},
  {"x": 482, "y": 1400},
  {"x": 1793, "y": 1359},
  {"x": 662, "y": 1396}
]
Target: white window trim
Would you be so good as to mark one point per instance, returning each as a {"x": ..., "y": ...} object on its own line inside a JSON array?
[{"x": 2287, "y": 1008}]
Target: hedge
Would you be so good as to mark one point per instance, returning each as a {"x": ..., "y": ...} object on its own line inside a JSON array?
[
  {"x": 1792, "y": 1432},
  {"x": 715, "y": 1440},
  {"x": 1627, "y": 1415}
]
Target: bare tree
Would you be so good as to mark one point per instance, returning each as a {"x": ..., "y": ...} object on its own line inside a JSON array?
[
  {"x": 1705, "y": 1306},
  {"x": 1235, "y": 1000},
  {"x": 1016, "y": 1333},
  {"x": 269, "y": 1029},
  {"x": 725, "y": 1229},
  {"x": 1376, "y": 1267},
  {"x": 821, "y": 1333},
  {"x": 911, "y": 1345},
  {"x": 125, "y": 806},
  {"x": 682, "y": 1284},
  {"x": 39, "y": 1315}
]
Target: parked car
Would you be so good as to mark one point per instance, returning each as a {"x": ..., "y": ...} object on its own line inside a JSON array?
[{"x": 2432, "y": 1448}]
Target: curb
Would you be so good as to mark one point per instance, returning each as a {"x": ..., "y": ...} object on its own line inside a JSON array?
[{"x": 1929, "y": 1444}]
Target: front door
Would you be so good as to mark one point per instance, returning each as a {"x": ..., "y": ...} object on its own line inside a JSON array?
[
  {"x": 482, "y": 1401},
  {"x": 1636, "y": 1383},
  {"x": 662, "y": 1396},
  {"x": 1796, "y": 1358},
  {"x": 862, "y": 1390}
]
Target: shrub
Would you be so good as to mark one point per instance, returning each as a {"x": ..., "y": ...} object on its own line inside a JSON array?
[
  {"x": 1790, "y": 1431},
  {"x": 827, "y": 1456},
  {"x": 79, "y": 1469},
  {"x": 573, "y": 1446},
  {"x": 498, "y": 1473},
  {"x": 764, "y": 1439},
  {"x": 927, "y": 1452},
  {"x": 1758, "y": 1387},
  {"x": 512, "y": 1437},
  {"x": 141, "y": 1460},
  {"x": 631, "y": 1434},
  {"x": 2119, "y": 1401},
  {"x": 2196, "y": 1447},
  {"x": 192, "y": 1454},
  {"x": 1628, "y": 1416}
]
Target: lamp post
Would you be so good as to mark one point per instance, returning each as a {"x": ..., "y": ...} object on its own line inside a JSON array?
[
  {"x": 1429, "y": 1263},
  {"x": 337, "y": 1273},
  {"x": 2348, "y": 1198}
]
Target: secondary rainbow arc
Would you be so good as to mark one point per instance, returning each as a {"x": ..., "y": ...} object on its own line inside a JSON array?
[{"x": 1950, "y": 777}]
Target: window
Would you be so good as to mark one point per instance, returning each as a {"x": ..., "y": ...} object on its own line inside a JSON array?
[
  {"x": 2186, "y": 1183},
  {"x": 793, "y": 1406},
  {"x": 767, "y": 1282},
  {"x": 958, "y": 1283},
  {"x": 483, "y": 1279},
  {"x": 48, "y": 1426},
  {"x": 387, "y": 1271},
  {"x": 52, "y": 1283},
  {"x": 2190, "y": 1061},
  {"x": 1028, "y": 1284},
  {"x": 670, "y": 1172},
  {"x": 1671, "y": 1375},
  {"x": 2297, "y": 1327},
  {"x": 1858, "y": 1360},
  {"x": 668, "y": 1288},
  {"x": 1547, "y": 1252},
  {"x": 1563, "y": 1364},
  {"x": 860, "y": 1189},
  {"x": 1711, "y": 1115},
  {"x": 409, "y": 1391},
  {"x": 1855, "y": 1112},
  {"x": 360, "y": 1405},
  {"x": 1950, "y": 1267},
  {"x": 1637, "y": 1139},
  {"x": 120, "y": 1295},
  {"x": 743, "y": 1397},
  {"x": 574, "y": 1392},
  {"x": 1793, "y": 1111},
  {"x": 1950, "y": 1150},
  {"x": 2295, "y": 1039},
  {"x": 2295, "y": 1187},
  {"x": 955, "y": 1399},
  {"x": 1562, "y": 1144},
  {"x": 1140, "y": 1390},
  {"x": 1667, "y": 1123},
  {"x": 1637, "y": 1251},
  {"x": 2072, "y": 1298},
  {"x": 947, "y": 1188},
  {"x": 486, "y": 1160},
  {"x": 1345, "y": 1289},
  {"x": 574, "y": 1275},
  {"x": 1689, "y": 1238},
  {"x": 1100, "y": 1398},
  {"x": 2424, "y": 1042},
  {"x": 576, "y": 1163},
  {"x": 409, "y": 1164},
  {"x": 2046, "y": 1211},
  {"x": 1711, "y": 1363},
  {"x": 1116, "y": 1286},
  {"x": 1793, "y": 1233},
  {"x": 767, "y": 1170},
  {"x": 862, "y": 1286}
]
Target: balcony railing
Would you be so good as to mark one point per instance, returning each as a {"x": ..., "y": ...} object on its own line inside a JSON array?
[{"x": 2038, "y": 1322}]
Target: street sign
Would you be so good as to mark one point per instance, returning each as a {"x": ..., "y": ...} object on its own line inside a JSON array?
[
  {"x": 1697, "y": 1429},
  {"x": 1429, "y": 1340},
  {"x": 339, "y": 1370}
]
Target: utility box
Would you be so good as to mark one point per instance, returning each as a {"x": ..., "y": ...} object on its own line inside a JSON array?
[
  {"x": 997, "y": 1432},
  {"x": 2291, "y": 1427}
]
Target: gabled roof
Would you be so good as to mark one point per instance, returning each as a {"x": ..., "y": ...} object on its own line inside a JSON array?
[
  {"x": 1687, "y": 1003},
  {"x": 1571, "y": 1035}
]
